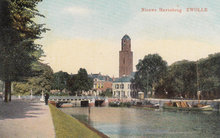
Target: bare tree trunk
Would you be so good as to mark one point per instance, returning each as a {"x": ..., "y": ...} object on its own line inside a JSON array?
[
  {"x": 7, "y": 89},
  {"x": 9, "y": 92},
  {"x": 208, "y": 95},
  {"x": 6, "y": 94}
]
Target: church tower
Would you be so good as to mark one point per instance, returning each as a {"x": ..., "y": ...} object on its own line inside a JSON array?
[{"x": 125, "y": 57}]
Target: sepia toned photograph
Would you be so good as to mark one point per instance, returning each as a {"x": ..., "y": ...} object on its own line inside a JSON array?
[{"x": 109, "y": 69}]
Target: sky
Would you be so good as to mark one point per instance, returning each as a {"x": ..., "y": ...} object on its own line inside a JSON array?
[{"x": 87, "y": 33}]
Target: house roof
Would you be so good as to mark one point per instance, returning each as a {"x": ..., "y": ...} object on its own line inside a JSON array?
[
  {"x": 100, "y": 77},
  {"x": 124, "y": 79}
]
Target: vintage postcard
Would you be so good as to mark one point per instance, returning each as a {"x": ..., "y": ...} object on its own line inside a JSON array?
[{"x": 119, "y": 68}]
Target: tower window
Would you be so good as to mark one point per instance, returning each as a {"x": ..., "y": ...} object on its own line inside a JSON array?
[{"x": 123, "y": 60}]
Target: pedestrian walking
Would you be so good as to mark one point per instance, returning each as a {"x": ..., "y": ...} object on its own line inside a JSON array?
[{"x": 46, "y": 98}]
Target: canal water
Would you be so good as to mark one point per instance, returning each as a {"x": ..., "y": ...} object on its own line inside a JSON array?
[{"x": 137, "y": 122}]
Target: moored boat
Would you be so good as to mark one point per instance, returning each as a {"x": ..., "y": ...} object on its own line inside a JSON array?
[
  {"x": 186, "y": 107},
  {"x": 66, "y": 105}
]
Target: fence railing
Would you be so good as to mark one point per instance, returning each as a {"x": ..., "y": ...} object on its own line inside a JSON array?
[
  {"x": 77, "y": 97},
  {"x": 26, "y": 97},
  {"x": 57, "y": 97}
]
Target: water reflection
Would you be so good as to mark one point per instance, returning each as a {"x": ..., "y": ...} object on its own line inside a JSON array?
[{"x": 132, "y": 122}]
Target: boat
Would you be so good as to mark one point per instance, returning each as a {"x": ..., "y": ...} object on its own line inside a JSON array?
[
  {"x": 207, "y": 108},
  {"x": 146, "y": 105},
  {"x": 182, "y": 105},
  {"x": 64, "y": 105}
]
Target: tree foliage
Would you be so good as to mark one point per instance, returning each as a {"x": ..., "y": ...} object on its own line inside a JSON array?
[
  {"x": 107, "y": 93},
  {"x": 180, "y": 80},
  {"x": 37, "y": 84},
  {"x": 60, "y": 80},
  {"x": 149, "y": 72},
  {"x": 80, "y": 82},
  {"x": 17, "y": 36},
  {"x": 209, "y": 76}
]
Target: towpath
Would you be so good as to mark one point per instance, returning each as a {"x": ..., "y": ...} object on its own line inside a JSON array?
[{"x": 25, "y": 119}]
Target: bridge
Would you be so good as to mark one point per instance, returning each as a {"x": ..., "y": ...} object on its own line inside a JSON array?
[{"x": 82, "y": 101}]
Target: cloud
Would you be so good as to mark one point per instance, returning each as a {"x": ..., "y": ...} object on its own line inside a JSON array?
[{"x": 73, "y": 10}]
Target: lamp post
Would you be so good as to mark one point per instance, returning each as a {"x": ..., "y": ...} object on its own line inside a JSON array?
[
  {"x": 147, "y": 85},
  {"x": 197, "y": 82},
  {"x": 42, "y": 96}
]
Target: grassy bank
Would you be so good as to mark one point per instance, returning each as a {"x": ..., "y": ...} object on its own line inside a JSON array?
[{"x": 67, "y": 126}]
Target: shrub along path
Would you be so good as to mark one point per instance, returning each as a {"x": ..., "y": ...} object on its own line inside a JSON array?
[{"x": 25, "y": 119}]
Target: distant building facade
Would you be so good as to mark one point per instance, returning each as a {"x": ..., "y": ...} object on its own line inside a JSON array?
[
  {"x": 122, "y": 87},
  {"x": 125, "y": 57},
  {"x": 101, "y": 82}
]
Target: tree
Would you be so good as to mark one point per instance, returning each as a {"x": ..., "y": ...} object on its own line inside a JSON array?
[
  {"x": 107, "y": 92},
  {"x": 149, "y": 72},
  {"x": 17, "y": 36},
  {"x": 60, "y": 80},
  {"x": 37, "y": 84},
  {"x": 180, "y": 79},
  {"x": 80, "y": 82},
  {"x": 72, "y": 84},
  {"x": 184, "y": 78},
  {"x": 42, "y": 82},
  {"x": 209, "y": 76}
]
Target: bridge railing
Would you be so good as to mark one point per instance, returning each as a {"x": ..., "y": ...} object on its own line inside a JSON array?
[
  {"x": 27, "y": 97},
  {"x": 70, "y": 98}
]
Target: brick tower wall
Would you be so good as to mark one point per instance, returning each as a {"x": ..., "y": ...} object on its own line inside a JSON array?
[
  {"x": 125, "y": 63},
  {"x": 125, "y": 57}
]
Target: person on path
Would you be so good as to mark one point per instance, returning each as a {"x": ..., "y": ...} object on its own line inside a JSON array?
[{"x": 46, "y": 98}]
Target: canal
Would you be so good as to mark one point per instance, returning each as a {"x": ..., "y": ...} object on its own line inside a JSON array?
[{"x": 137, "y": 122}]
